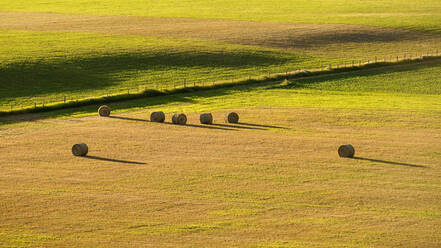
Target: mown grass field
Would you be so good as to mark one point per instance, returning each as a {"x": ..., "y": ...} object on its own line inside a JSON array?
[
  {"x": 419, "y": 15},
  {"x": 274, "y": 180},
  {"x": 92, "y": 48}
]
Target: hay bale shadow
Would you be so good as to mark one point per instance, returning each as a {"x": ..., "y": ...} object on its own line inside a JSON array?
[
  {"x": 260, "y": 125},
  {"x": 113, "y": 160},
  {"x": 237, "y": 126},
  {"x": 389, "y": 162},
  {"x": 127, "y": 118}
]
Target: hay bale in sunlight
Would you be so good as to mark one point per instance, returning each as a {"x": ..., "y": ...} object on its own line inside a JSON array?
[
  {"x": 80, "y": 149},
  {"x": 179, "y": 118},
  {"x": 104, "y": 111},
  {"x": 346, "y": 151},
  {"x": 206, "y": 118},
  {"x": 158, "y": 116},
  {"x": 232, "y": 117}
]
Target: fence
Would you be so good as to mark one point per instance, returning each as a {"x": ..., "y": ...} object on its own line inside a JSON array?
[{"x": 44, "y": 102}]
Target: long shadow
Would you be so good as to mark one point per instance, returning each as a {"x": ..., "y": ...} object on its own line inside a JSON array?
[
  {"x": 201, "y": 126},
  {"x": 94, "y": 73},
  {"x": 236, "y": 126},
  {"x": 112, "y": 160},
  {"x": 127, "y": 118},
  {"x": 187, "y": 125},
  {"x": 389, "y": 162},
  {"x": 260, "y": 125}
]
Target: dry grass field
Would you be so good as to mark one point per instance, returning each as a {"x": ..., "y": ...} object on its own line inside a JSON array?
[{"x": 274, "y": 180}]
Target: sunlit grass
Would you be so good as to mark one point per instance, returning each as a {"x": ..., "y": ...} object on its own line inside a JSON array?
[
  {"x": 46, "y": 67},
  {"x": 419, "y": 15}
]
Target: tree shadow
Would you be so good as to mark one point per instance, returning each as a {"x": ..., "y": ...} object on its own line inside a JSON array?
[
  {"x": 113, "y": 160},
  {"x": 389, "y": 162},
  {"x": 260, "y": 125},
  {"x": 99, "y": 72},
  {"x": 236, "y": 126}
]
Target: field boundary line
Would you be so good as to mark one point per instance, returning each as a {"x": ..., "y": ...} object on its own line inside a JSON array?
[{"x": 65, "y": 103}]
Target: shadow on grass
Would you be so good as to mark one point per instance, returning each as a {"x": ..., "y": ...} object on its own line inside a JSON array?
[
  {"x": 259, "y": 125},
  {"x": 127, "y": 118},
  {"x": 34, "y": 78},
  {"x": 170, "y": 123},
  {"x": 113, "y": 160},
  {"x": 389, "y": 162},
  {"x": 237, "y": 126},
  {"x": 201, "y": 126}
]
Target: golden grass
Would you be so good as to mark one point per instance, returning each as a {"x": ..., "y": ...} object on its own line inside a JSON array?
[
  {"x": 277, "y": 183},
  {"x": 327, "y": 40}
]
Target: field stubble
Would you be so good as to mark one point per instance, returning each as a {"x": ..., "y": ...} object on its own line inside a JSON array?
[{"x": 274, "y": 179}]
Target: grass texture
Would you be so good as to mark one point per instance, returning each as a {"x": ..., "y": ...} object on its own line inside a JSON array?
[{"x": 422, "y": 15}]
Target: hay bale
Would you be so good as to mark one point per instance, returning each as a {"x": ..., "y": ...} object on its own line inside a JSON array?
[
  {"x": 206, "y": 118},
  {"x": 158, "y": 116},
  {"x": 80, "y": 149},
  {"x": 346, "y": 151},
  {"x": 179, "y": 118},
  {"x": 104, "y": 111},
  {"x": 232, "y": 117}
]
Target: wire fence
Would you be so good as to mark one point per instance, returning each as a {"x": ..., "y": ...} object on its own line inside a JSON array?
[{"x": 49, "y": 101}]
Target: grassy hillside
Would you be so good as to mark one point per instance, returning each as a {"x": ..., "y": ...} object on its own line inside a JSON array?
[
  {"x": 413, "y": 14},
  {"x": 49, "y": 66},
  {"x": 45, "y": 57}
]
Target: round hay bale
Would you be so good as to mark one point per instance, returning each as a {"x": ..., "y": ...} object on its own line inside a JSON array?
[
  {"x": 80, "y": 149},
  {"x": 346, "y": 151},
  {"x": 179, "y": 118},
  {"x": 232, "y": 117},
  {"x": 104, "y": 110},
  {"x": 158, "y": 116},
  {"x": 206, "y": 118}
]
